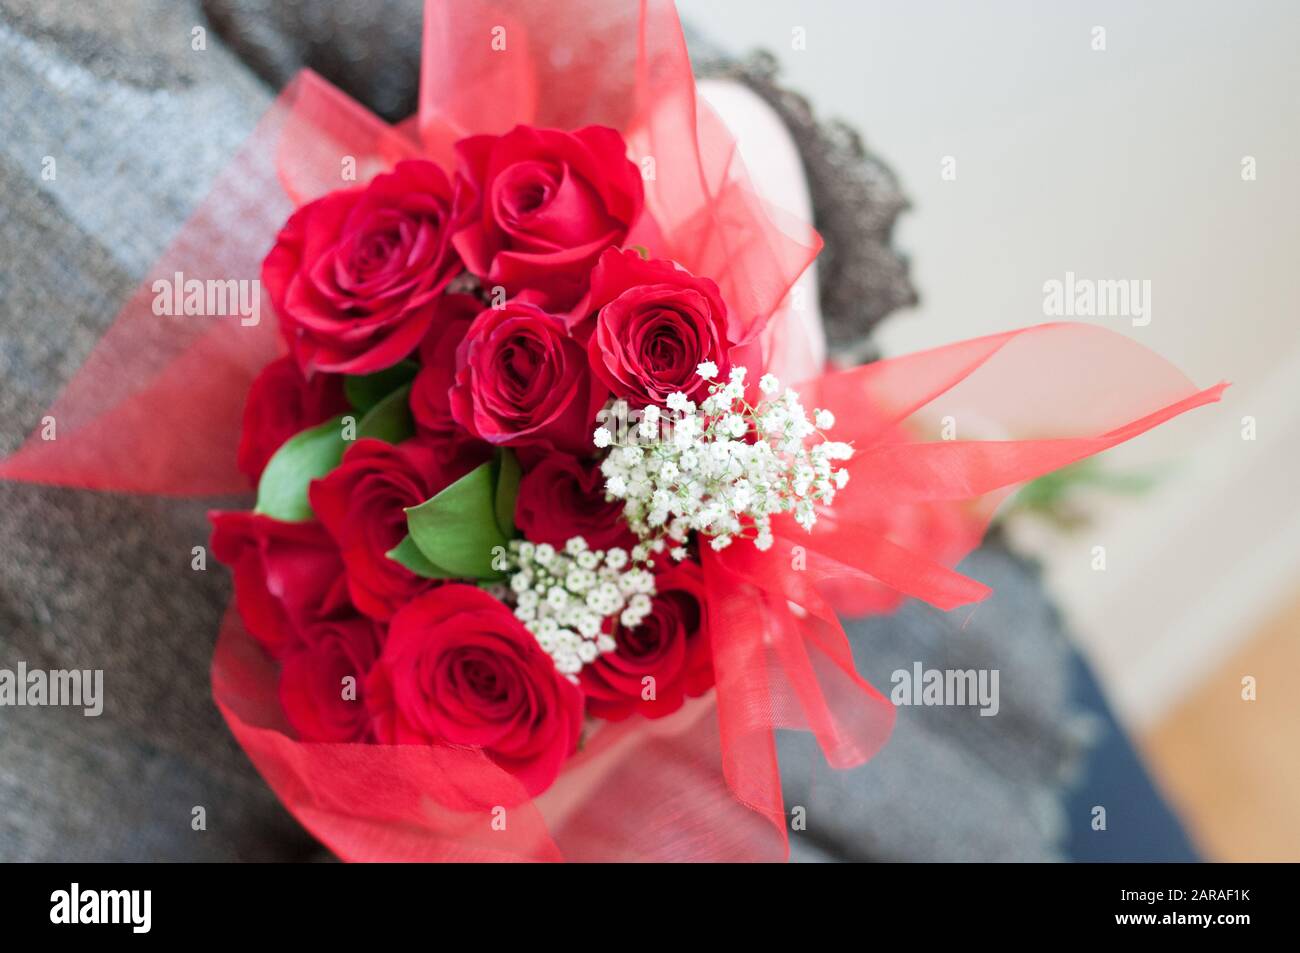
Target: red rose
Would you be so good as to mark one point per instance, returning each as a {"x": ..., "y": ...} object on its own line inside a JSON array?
[
  {"x": 353, "y": 276},
  {"x": 287, "y": 575},
  {"x": 671, "y": 646},
  {"x": 521, "y": 380},
  {"x": 546, "y": 204},
  {"x": 655, "y": 323},
  {"x": 322, "y": 679},
  {"x": 562, "y": 497},
  {"x": 280, "y": 403},
  {"x": 361, "y": 503},
  {"x": 459, "y": 669},
  {"x": 431, "y": 391}
]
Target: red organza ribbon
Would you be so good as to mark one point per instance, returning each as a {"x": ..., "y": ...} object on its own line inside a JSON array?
[{"x": 156, "y": 409}]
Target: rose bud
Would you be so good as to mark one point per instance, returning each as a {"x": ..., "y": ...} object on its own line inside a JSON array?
[
  {"x": 670, "y": 646},
  {"x": 562, "y": 497},
  {"x": 546, "y": 204},
  {"x": 322, "y": 679},
  {"x": 281, "y": 403},
  {"x": 353, "y": 275},
  {"x": 431, "y": 390},
  {"x": 287, "y": 575},
  {"x": 521, "y": 380},
  {"x": 459, "y": 669},
  {"x": 654, "y": 325},
  {"x": 362, "y": 503}
]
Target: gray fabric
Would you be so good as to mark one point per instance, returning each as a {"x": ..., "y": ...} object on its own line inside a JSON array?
[
  {"x": 139, "y": 123},
  {"x": 951, "y": 784},
  {"x": 372, "y": 50}
]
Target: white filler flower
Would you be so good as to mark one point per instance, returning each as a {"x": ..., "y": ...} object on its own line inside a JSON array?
[
  {"x": 565, "y": 598},
  {"x": 724, "y": 469}
]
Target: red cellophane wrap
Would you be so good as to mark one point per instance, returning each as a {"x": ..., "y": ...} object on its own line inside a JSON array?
[{"x": 156, "y": 409}]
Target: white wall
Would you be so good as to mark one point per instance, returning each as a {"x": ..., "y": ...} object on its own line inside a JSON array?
[{"x": 1123, "y": 163}]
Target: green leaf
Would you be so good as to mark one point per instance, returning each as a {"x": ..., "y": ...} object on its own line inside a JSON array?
[
  {"x": 409, "y": 555},
  {"x": 306, "y": 456},
  {"x": 313, "y": 453},
  {"x": 507, "y": 492},
  {"x": 1054, "y": 495},
  {"x": 457, "y": 529},
  {"x": 641, "y": 250},
  {"x": 389, "y": 420},
  {"x": 365, "y": 391}
]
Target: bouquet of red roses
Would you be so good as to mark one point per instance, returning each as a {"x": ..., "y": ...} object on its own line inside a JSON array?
[{"x": 551, "y": 527}]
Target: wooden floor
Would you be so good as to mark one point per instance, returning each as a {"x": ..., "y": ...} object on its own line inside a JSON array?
[{"x": 1232, "y": 767}]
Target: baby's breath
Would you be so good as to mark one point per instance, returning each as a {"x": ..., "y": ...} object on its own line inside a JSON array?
[
  {"x": 565, "y": 598},
  {"x": 723, "y": 469}
]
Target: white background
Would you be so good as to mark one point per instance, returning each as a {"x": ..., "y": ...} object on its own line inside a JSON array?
[{"x": 1123, "y": 163}]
